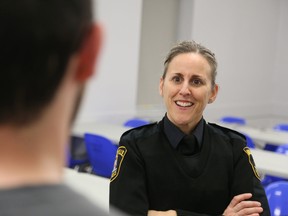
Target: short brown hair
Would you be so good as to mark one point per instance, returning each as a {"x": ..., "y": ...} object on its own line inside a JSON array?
[{"x": 192, "y": 46}]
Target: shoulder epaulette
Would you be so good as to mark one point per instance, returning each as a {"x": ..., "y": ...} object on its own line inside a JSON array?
[
  {"x": 139, "y": 129},
  {"x": 231, "y": 132}
]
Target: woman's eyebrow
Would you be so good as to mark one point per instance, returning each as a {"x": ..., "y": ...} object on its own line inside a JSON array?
[
  {"x": 198, "y": 76},
  {"x": 178, "y": 74}
]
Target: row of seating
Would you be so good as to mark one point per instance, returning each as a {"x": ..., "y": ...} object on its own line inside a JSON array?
[
  {"x": 268, "y": 146},
  {"x": 283, "y": 149}
]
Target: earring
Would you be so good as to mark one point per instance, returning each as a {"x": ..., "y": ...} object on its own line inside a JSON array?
[{"x": 210, "y": 101}]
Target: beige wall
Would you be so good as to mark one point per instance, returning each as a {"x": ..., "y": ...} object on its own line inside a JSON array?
[{"x": 158, "y": 34}]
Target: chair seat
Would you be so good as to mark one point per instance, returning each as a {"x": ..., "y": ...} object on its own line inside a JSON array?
[
  {"x": 76, "y": 155},
  {"x": 277, "y": 195}
]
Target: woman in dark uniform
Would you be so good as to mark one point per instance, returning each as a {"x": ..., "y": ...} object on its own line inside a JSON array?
[{"x": 183, "y": 165}]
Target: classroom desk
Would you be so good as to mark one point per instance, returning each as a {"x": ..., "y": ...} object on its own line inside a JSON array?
[
  {"x": 261, "y": 136},
  {"x": 94, "y": 187},
  {"x": 270, "y": 162}
]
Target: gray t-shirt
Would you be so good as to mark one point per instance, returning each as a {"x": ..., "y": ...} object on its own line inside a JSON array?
[{"x": 46, "y": 200}]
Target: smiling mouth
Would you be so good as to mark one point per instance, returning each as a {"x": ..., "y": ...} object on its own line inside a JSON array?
[{"x": 184, "y": 104}]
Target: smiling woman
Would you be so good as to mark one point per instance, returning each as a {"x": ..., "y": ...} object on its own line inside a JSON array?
[
  {"x": 183, "y": 165},
  {"x": 187, "y": 88}
]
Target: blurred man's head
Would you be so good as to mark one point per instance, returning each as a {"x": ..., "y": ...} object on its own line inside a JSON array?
[{"x": 37, "y": 40}]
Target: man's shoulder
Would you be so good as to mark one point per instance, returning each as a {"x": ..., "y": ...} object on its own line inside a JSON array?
[
  {"x": 57, "y": 199},
  {"x": 78, "y": 203}
]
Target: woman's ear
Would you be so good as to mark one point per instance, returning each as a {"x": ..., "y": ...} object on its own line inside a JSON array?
[
  {"x": 88, "y": 53},
  {"x": 214, "y": 93},
  {"x": 161, "y": 86}
]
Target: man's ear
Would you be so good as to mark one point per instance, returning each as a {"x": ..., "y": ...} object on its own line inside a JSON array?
[{"x": 88, "y": 53}]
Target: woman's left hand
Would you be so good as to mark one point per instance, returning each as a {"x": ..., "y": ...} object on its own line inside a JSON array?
[{"x": 162, "y": 213}]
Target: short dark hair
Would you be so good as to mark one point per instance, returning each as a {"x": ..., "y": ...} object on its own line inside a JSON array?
[
  {"x": 188, "y": 47},
  {"x": 37, "y": 38}
]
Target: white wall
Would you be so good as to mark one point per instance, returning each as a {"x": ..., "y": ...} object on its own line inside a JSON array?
[
  {"x": 111, "y": 94},
  {"x": 243, "y": 35},
  {"x": 158, "y": 34},
  {"x": 279, "y": 79}
]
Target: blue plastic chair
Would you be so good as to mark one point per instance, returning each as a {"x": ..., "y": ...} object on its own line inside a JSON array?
[
  {"x": 101, "y": 153},
  {"x": 268, "y": 179},
  {"x": 281, "y": 127},
  {"x": 278, "y": 127},
  {"x": 277, "y": 195},
  {"x": 233, "y": 120},
  {"x": 76, "y": 156},
  {"x": 283, "y": 149},
  {"x": 250, "y": 142},
  {"x": 240, "y": 121},
  {"x": 270, "y": 147},
  {"x": 135, "y": 122}
]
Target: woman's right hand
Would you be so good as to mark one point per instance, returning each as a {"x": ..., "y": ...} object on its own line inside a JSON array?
[{"x": 241, "y": 206}]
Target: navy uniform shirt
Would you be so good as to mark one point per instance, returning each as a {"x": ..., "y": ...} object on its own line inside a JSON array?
[
  {"x": 175, "y": 135},
  {"x": 150, "y": 173}
]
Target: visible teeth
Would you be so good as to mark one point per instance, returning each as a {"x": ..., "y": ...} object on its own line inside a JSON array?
[{"x": 183, "y": 104}]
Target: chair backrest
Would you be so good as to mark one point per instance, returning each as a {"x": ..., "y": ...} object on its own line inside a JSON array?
[
  {"x": 101, "y": 152},
  {"x": 250, "y": 142},
  {"x": 135, "y": 122},
  {"x": 76, "y": 155},
  {"x": 233, "y": 120},
  {"x": 281, "y": 127},
  {"x": 277, "y": 127},
  {"x": 282, "y": 149},
  {"x": 277, "y": 195}
]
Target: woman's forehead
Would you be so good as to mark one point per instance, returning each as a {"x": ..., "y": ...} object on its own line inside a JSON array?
[{"x": 188, "y": 63}]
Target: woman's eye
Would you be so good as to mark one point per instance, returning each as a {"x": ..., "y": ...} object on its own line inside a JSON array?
[
  {"x": 176, "y": 79},
  {"x": 197, "y": 82}
]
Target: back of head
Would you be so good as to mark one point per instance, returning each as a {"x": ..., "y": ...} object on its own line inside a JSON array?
[{"x": 37, "y": 38}]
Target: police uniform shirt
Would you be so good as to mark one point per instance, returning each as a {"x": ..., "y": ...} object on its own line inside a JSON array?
[
  {"x": 151, "y": 173},
  {"x": 175, "y": 135}
]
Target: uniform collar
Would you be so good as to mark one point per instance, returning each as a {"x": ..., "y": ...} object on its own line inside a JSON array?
[{"x": 174, "y": 134}]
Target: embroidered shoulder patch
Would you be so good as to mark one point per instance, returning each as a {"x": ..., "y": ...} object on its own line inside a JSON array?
[
  {"x": 251, "y": 161},
  {"x": 121, "y": 152}
]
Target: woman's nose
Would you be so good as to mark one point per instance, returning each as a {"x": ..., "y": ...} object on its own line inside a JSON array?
[{"x": 185, "y": 89}]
